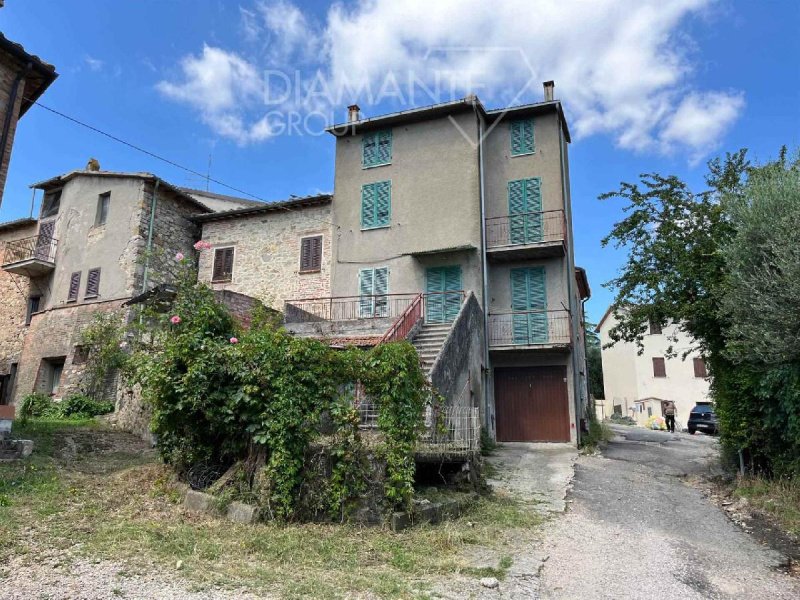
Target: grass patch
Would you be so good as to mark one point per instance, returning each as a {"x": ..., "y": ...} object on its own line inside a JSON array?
[
  {"x": 126, "y": 508},
  {"x": 599, "y": 433},
  {"x": 779, "y": 498}
]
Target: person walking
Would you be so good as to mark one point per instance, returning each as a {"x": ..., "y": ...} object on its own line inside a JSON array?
[{"x": 669, "y": 415}]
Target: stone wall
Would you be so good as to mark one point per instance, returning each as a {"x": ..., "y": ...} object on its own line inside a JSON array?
[
  {"x": 8, "y": 72},
  {"x": 267, "y": 254},
  {"x": 14, "y": 290}
]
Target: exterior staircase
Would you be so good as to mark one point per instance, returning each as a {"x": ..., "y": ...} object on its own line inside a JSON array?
[{"x": 429, "y": 341}]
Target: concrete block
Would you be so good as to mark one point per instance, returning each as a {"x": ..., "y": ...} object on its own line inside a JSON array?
[
  {"x": 239, "y": 512},
  {"x": 401, "y": 521},
  {"x": 198, "y": 501},
  {"x": 450, "y": 509},
  {"x": 25, "y": 448},
  {"x": 426, "y": 514}
]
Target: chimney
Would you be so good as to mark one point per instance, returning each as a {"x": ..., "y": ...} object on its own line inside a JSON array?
[
  {"x": 93, "y": 165},
  {"x": 353, "y": 113},
  {"x": 548, "y": 90}
]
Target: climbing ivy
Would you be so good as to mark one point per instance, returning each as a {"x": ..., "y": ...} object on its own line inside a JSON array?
[{"x": 103, "y": 341}]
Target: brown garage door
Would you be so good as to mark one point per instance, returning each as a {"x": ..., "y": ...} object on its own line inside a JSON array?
[{"x": 532, "y": 404}]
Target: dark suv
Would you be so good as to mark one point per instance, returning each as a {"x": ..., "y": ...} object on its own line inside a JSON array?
[{"x": 703, "y": 418}]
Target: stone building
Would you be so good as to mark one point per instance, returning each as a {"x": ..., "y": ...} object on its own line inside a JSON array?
[
  {"x": 272, "y": 252},
  {"x": 102, "y": 237},
  {"x": 23, "y": 78}
]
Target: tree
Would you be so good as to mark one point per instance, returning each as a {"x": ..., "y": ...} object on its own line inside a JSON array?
[{"x": 594, "y": 361}]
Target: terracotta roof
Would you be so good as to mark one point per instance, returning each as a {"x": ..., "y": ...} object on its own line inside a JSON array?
[
  {"x": 43, "y": 74},
  {"x": 266, "y": 207},
  {"x": 583, "y": 283}
]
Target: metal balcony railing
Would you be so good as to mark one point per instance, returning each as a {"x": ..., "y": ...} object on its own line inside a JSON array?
[
  {"x": 526, "y": 228},
  {"x": 347, "y": 308},
  {"x": 37, "y": 247},
  {"x": 530, "y": 328}
]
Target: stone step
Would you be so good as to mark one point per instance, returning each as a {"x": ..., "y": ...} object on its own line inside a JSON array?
[
  {"x": 430, "y": 338},
  {"x": 427, "y": 344}
]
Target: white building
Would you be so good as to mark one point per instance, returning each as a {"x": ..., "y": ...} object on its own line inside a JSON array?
[{"x": 636, "y": 384}]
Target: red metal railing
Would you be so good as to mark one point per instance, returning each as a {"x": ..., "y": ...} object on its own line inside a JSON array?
[
  {"x": 39, "y": 247},
  {"x": 526, "y": 228},
  {"x": 530, "y": 328},
  {"x": 405, "y": 322}
]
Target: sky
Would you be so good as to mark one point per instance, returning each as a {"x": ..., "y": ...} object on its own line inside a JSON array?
[{"x": 242, "y": 89}]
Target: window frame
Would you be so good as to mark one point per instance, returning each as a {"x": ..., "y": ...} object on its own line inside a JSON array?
[
  {"x": 87, "y": 293},
  {"x": 303, "y": 241},
  {"x": 375, "y": 137},
  {"x": 700, "y": 373},
  {"x": 29, "y": 311},
  {"x": 72, "y": 278},
  {"x": 47, "y": 212},
  {"x": 511, "y": 126},
  {"x": 229, "y": 278},
  {"x": 659, "y": 360},
  {"x": 103, "y": 199}
]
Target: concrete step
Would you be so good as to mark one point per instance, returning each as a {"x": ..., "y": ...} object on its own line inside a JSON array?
[
  {"x": 427, "y": 344},
  {"x": 430, "y": 338}
]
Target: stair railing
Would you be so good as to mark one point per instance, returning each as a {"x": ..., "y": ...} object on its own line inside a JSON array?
[{"x": 405, "y": 322}]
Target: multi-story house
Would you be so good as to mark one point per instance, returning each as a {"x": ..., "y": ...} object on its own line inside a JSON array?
[
  {"x": 638, "y": 384},
  {"x": 452, "y": 227},
  {"x": 102, "y": 238}
]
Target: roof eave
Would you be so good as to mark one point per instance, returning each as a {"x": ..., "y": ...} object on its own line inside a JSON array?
[{"x": 266, "y": 207}]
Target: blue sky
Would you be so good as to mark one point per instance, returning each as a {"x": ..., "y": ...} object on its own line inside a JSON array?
[{"x": 648, "y": 85}]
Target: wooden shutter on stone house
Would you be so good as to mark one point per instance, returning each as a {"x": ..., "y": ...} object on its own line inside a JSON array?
[
  {"x": 311, "y": 254},
  {"x": 92, "y": 284},
  {"x": 223, "y": 264},
  {"x": 74, "y": 287}
]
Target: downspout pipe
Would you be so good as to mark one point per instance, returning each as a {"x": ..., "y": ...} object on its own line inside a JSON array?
[
  {"x": 573, "y": 308},
  {"x": 149, "y": 249},
  {"x": 484, "y": 273},
  {"x": 12, "y": 100}
]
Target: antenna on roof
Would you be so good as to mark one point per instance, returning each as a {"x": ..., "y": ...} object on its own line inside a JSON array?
[{"x": 208, "y": 171}]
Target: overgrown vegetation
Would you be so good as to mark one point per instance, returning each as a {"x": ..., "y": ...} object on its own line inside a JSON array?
[
  {"x": 599, "y": 434},
  {"x": 594, "y": 361},
  {"x": 76, "y": 406},
  {"x": 724, "y": 263},
  {"x": 113, "y": 503},
  {"x": 259, "y": 397},
  {"x": 103, "y": 342},
  {"x": 778, "y": 498}
]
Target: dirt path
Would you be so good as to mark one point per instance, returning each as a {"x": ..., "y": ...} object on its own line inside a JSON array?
[{"x": 636, "y": 529}]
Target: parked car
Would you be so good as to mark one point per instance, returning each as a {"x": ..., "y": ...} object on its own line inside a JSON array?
[{"x": 703, "y": 418}]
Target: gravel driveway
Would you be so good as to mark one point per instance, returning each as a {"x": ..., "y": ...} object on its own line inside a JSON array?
[{"x": 636, "y": 529}]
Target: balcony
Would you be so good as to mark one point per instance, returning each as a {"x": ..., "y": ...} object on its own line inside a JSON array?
[
  {"x": 526, "y": 235},
  {"x": 530, "y": 330},
  {"x": 31, "y": 257}
]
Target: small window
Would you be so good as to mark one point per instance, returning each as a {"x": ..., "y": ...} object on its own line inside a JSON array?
[
  {"x": 33, "y": 307},
  {"x": 376, "y": 204},
  {"x": 92, "y": 284},
  {"x": 103, "y": 202},
  {"x": 655, "y": 327},
  {"x": 649, "y": 411},
  {"x": 74, "y": 287},
  {"x": 81, "y": 355},
  {"x": 223, "y": 265},
  {"x": 311, "y": 254},
  {"x": 376, "y": 148},
  {"x": 51, "y": 203},
  {"x": 659, "y": 367},
  {"x": 700, "y": 369},
  {"x": 522, "y": 137}
]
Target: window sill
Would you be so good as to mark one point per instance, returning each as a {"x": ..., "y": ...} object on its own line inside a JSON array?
[
  {"x": 523, "y": 154},
  {"x": 75, "y": 301},
  {"x": 90, "y": 298},
  {"x": 365, "y": 167},
  {"x": 387, "y": 226},
  {"x": 310, "y": 271},
  {"x": 222, "y": 280}
]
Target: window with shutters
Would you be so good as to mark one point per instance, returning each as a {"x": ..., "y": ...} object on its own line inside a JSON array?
[
  {"x": 92, "y": 284},
  {"x": 655, "y": 327},
  {"x": 51, "y": 204},
  {"x": 373, "y": 287},
  {"x": 529, "y": 305},
  {"x": 33, "y": 307},
  {"x": 311, "y": 254},
  {"x": 521, "y": 137},
  {"x": 526, "y": 220},
  {"x": 103, "y": 202},
  {"x": 376, "y": 149},
  {"x": 659, "y": 367},
  {"x": 74, "y": 287},
  {"x": 700, "y": 369},
  {"x": 376, "y": 204},
  {"x": 223, "y": 265}
]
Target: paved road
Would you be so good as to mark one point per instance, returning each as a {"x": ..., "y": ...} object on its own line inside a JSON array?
[{"x": 635, "y": 529}]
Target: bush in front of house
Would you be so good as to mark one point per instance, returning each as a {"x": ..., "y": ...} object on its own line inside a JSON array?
[
  {"x": 222, "y": 395},
  {"x": 80, "y": 406},
  {"x": 38, "y": 405}
]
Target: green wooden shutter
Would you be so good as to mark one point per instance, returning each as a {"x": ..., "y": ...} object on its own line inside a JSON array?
[
  {"x": 381, "y": 279},
  {"x": 516, "y": 210},
  {"x": 522, "y": 141},
  {"x": 367, "y": 206},
  {"x": 383, "y": 154},
  {"x": 529, "y": 302},
  {"x": 519, "y": 304},
  {"x": 534, "y": 222},
  {"x": 366, "y": 285},
  {"x": 452, "y": 283},
  {"x": 441, "y": 306},
  {"x": 434, "y": 303},
  {"x": 383, "y": 203},
  {"x": 369, "y": 149}
]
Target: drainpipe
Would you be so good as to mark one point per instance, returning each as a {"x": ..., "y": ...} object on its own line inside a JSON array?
[
  {"x": 150, "y": 235},
  {"x": 12, "y": 100},
  {"x": 484, "y": 271},
  {"x": 570, "y": 282}
]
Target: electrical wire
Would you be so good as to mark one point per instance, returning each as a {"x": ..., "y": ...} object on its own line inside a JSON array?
[{"x": 163, "y": 159}]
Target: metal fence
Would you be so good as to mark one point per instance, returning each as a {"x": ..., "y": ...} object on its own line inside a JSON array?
[
  {"x": 530, "y": 328},
  {"x": 39, "y": 247},
  {"x": 525, "y": 228},
  {"x": 456, "y": 430},
  {"x": 347, "y": 308}
]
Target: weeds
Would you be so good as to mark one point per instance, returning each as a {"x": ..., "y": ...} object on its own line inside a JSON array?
[{"x": 779, "y": 498}]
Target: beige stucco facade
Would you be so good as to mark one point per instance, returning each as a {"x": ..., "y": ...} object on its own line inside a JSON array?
[{"x": 629, "y": 380}]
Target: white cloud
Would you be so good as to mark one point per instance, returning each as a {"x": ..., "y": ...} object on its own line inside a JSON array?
[
  {"x": 94, "y": 64},
  {"x": 622, "y": 67},
  {"x": 221, "y": 86}
]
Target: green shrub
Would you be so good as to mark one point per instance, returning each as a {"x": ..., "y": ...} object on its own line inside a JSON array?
[
  {"x": 488, "y": 445},
  {"x": 38, "y": 405},
  {"x": 81, "y": 406}
]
